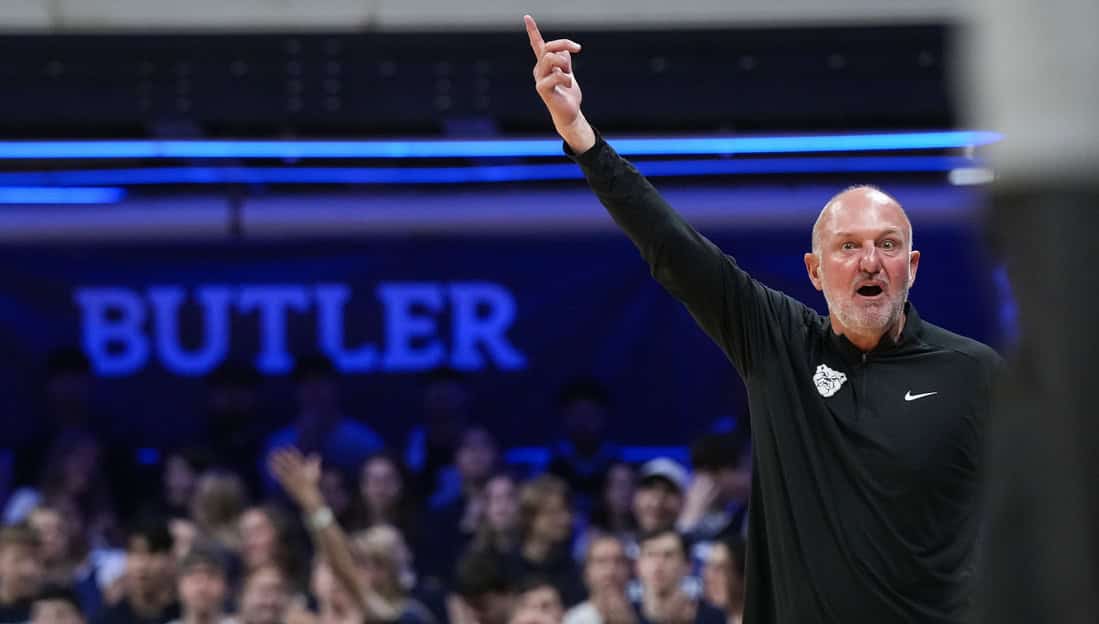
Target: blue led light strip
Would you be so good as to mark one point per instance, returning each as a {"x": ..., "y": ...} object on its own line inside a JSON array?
[
  {"x": 475, "y": 174},
  {"x": 59, "y": 195},
  {"x": 490, "y": 148}
]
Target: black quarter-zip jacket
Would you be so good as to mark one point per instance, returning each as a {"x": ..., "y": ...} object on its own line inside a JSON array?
[{"x": 864, "y": 504}]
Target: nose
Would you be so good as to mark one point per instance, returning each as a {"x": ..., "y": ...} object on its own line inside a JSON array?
[{"x": 870, "y": 262}]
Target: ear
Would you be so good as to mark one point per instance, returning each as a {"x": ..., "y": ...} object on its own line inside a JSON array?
[
  {"x": 812, "y": 267},
  {"x": 913, "y": 264}
]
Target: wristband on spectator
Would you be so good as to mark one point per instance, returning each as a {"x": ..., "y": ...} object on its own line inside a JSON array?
[{"x": 320, "y": 519}]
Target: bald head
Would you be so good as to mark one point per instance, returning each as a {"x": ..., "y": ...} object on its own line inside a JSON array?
[{"x": 856, "y": 198}]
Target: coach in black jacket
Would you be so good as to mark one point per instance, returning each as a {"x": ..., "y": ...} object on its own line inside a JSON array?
[{"x": 867, "y": 423}]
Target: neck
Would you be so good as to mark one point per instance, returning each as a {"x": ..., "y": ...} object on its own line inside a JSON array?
[
  {"x": 868, "y": 341},
  {"x": 382, "y": 514},
  {"x": 147, "y": 603},
  {"x": 201, "y": 617},
  {"x": 656, "y": 604},
  {"x": 536, "y": 550}
]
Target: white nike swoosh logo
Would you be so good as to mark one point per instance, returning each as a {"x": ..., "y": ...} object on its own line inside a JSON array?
[{"x": 908, "y": 396}]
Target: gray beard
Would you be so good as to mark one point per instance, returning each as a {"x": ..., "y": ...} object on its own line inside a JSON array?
[{"x": 869, "y": 320}]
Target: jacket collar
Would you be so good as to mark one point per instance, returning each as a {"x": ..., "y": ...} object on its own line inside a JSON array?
[{"x": 913, "y": 328}]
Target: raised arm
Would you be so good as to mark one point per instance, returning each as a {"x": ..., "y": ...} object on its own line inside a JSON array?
[
  {"x": 300, "y": 477},
  {"x": 718, "y": 294},
  {"x": 558, "y": 88}
]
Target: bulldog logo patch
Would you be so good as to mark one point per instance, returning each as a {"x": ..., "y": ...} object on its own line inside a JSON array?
[{"x": 828, "y": 381}]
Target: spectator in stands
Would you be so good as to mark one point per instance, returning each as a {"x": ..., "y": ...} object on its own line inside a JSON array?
[
  {"x": 537, "y": 602},
  {"x": 219, "y": 500},
  {"x": 658, "y": 500},
  {"x": 606, "y": 576},
  {"x": 67, "y": 411},
  {"x": 73, "y": 474},
  {"x": 723, "y": 578},
  {"x": 613, "y": 512},
  {"x": 148, "y": 592},
  {"x": 234, "y": 429},
  {"x": 716, "y": 504},
  {"x": 498, "y": 527},
  {"x": 545, "y": 532},
  {"x": 184, "y": 533},
  {"x": 370, "y": 587},
  {"x": 483, "y": 591},
  {"x": 475, "y": 460},
  {"x": 321, "y": 426},
  {"x": 662, "y": 566},
  {"x": 582, "y": 456},
  {"x": 456, "y": 507},
  {"x": 174, "y": 499},
  {"x": 58, "y": 552},
  {"x": 179, "y": 478},
  {"x": 385, "y": 566},
  {"x": 202, "y": 586},
  {"x": 67, "y": 558},
  {"x": 56, "y": 604},
  {"x": 384, "y": 497},
  {"x": 265, "y": 596},
  {"x": 335, "y": 605},
  {"x": 268, "y": 538},
  {"x": 431, "y": 444},
  {"x": 21, "y": 572}
]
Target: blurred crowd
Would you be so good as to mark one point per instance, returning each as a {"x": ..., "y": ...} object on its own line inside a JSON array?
[{"x": 322, "y": 521}]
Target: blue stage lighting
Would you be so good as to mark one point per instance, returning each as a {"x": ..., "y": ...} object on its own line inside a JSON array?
[
  {"x": 59, "y": 195},
  {"x": 203, "y": 175},
  {"x": 489, "y": 148}
]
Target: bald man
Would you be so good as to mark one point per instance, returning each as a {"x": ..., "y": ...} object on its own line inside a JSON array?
[{"x": 867, "y": 423}]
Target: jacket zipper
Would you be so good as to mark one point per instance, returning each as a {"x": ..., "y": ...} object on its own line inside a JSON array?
[{"x": 862, "y": 398}]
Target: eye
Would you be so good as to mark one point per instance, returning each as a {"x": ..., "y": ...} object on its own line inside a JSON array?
[
  {"x": 889, "y": 244},
  {"x": 848, "y": 246}
]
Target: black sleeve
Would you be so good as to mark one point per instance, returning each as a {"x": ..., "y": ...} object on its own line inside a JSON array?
[{"x": 730, "y": 306}]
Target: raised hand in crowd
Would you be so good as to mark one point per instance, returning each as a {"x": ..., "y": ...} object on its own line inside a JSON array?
[
  {"x": 701, "y": 494},
  {"x": 300, "y": 476}
]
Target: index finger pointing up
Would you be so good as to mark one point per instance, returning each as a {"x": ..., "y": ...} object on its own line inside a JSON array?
[{"x": 536, "y": 41}]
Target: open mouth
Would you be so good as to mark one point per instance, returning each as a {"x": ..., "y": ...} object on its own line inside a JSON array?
[{"x": 870, "y": 291}]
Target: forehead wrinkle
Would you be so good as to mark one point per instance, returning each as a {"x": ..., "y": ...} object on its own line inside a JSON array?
[
  {"x": 877, "y": 197},
  {"x": 885, "y": 232}
]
